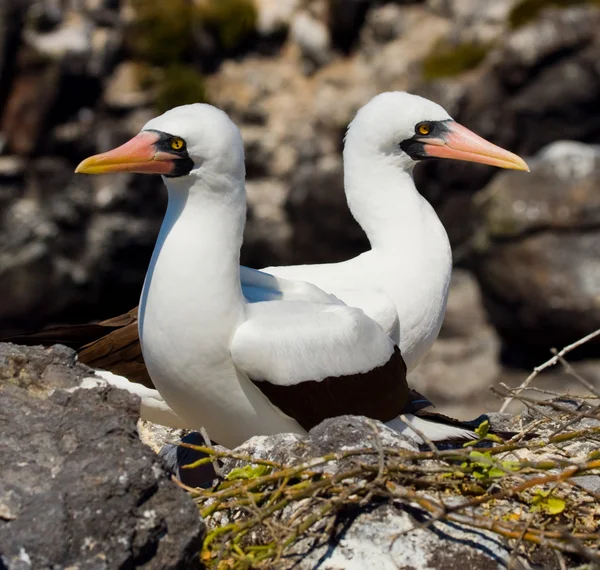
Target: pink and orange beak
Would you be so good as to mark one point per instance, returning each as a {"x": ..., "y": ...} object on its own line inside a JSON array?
[
  {"x": 460, "y": 143},
  {"x": 141, "y": 154}
]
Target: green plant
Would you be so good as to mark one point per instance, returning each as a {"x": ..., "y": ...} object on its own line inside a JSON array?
[
  {"x": 231, "y": 21},
  {"x": 179, "y": 85},
  {"x": 447, "y": 60},
  {"x": 546, "y": 502},
  {"x": 162, "y": 32}
]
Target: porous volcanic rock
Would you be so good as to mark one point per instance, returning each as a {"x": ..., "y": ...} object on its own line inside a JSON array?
[{"x": 77, "y": 487}]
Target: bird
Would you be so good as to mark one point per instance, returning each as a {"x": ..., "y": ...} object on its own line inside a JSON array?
[
  {"x": 401, "y": 282},
  {"x": 234, "y": 367}
]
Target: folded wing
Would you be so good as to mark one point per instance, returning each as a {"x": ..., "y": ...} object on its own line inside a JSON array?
[{"x": 314, "y": 361}]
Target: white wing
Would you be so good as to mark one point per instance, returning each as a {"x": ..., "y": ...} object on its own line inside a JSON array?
[
  {"x": 288, "y": 342},
  {"x": 376, "y": 305},
  {"x": 261, "y": 286},
  {"x": 340, "y": 280}
]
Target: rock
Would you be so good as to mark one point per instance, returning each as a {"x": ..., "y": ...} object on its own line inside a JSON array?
[
  {"x": 323, "y": 217},
  {"x": 78, "y": 488},
  {"x": 32, "y": 93},
  {"x": 345, "y": 21},
  {"x": 537, "y": 267},
  {"x": 274, "y": 15},
  {"x": 12, "y": 15},
  {"x": 69, "y": 233},
  {"x": 522, "y": 104},
  {"x": 373, "y": 540},
  {"x": 71, "y": 39},
  {"x": 123, "y": 90},
  {"x": 312, "y": 36},
  {"x": 383, "y": 24},
  {"x": 475, "y": 21},
  {"x": 517, "y": 98}
]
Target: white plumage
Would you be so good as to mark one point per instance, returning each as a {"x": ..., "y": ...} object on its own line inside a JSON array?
[{"x": 222, "y": 362}]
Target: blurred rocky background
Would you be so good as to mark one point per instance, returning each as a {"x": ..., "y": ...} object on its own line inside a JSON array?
[{"x": 81, "y": 76}]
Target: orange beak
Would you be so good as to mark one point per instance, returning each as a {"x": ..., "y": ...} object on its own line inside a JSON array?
[
  {"x": 460, "y": 143},
  {"x": 140, "y": 154}
]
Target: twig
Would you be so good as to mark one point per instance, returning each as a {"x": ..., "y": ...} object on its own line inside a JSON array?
[
  {"x": 380, "y": 453},
  {"x": 215, "y": 463},
  {"x": 550, "y": 362},
  {"x": 572, "y": 372}
]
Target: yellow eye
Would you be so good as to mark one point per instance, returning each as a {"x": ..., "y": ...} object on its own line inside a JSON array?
[
  {"x": 177, "y": 143},
  {"x": 424, "y": 129}
]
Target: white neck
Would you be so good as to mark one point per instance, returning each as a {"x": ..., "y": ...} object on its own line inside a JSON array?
[
  {"x": 196, "y": 258},
  {"x": 382, "y": 196},
  {"x": 410, "y": 247}
]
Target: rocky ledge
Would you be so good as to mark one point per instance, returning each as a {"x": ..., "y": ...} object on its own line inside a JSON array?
[{"x": 80, "y": 489}]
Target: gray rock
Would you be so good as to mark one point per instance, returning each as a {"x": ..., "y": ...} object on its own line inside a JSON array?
[
  {"x": 589, "y": 482},
  {"x": 77, "y": 487},
  {"x": 374, "y": 540},
  {"x": 312, "y": 36},
  {"x": 537, "y": 267}
]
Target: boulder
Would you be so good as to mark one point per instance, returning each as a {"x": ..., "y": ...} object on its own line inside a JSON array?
[
  {"x": 537, "y": 259},
  {"x": 64, "y": 239},
  {"x": 78, "y": 488}
]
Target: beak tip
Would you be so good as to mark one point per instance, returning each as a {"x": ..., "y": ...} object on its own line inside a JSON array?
[
  {"x": 523, "y": 166},
  {"x": 81, "y": 167}
]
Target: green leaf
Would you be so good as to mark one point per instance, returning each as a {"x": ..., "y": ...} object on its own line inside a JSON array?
[
  {"x": 544, "y": 501},
  {"x": 511, "y": 465},
  {"x": 483, "y": 429},
  {"x": 496, "y": 472},
  {"x": 555, "y": 505},
  {"x": 493, "y": 437},
  {"x": 248, "y": 472}
]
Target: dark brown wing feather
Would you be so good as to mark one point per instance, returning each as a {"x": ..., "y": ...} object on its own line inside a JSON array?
[
  {"x": 73, "y": 336},
  {"x": 381, "y": 394},
  {"x": 111, "y": 345},
  {"x": 119, "y": 352}
]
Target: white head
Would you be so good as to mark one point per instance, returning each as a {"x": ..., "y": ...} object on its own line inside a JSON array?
[
  {"x": 407, "y": 128},
  {"x": 184, "y": 144}
]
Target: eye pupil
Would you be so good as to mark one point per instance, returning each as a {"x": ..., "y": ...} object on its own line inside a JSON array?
[{"x": 177, "y": 143}]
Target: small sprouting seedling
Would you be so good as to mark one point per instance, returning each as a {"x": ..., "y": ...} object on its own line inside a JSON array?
[
  {"x": 546, "y": 502},
  {"x": 482, "y": 466},
  {"x": 248, "y": 472},
  {"x": 483, "y": 433}
]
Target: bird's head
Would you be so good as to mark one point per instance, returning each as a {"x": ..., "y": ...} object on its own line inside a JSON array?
[
  {"x": 409, "y": 128},
  {"x": 189, "y": 140}
]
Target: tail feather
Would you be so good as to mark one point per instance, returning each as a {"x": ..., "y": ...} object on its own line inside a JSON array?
[
  {"x": 73, "y": 336},
  {"x": 111, "y": 345},
  {"x": 432, "y": 430}
]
